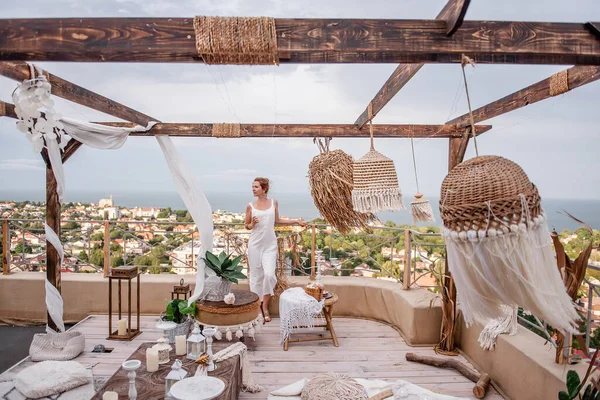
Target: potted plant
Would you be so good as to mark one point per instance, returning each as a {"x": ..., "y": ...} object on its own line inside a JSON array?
[
  {"x": 227, "y": 271},
  {"x": 179, "y": 312}
]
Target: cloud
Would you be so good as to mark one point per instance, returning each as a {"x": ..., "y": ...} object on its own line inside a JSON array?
[{"x": 21, "y": 164}]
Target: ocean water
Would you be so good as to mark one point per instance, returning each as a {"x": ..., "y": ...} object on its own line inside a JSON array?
[{"x": 296, "y": 205}]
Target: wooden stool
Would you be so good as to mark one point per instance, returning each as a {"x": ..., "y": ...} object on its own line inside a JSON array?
[{"x": 328, "y": 314}]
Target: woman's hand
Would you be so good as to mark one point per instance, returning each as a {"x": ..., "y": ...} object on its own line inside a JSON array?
[{"x": 254, "y": 222}]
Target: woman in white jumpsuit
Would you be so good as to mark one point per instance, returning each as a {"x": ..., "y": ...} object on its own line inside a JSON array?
[{"x": 261, "y": 217}]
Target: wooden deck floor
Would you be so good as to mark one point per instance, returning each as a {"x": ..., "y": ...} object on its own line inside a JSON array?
[{"x": 367, "y": 350}]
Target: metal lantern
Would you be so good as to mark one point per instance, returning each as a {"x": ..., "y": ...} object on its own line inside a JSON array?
[
  {"x": 196, "y": 344},
  {"x": 176, "y": 374}
]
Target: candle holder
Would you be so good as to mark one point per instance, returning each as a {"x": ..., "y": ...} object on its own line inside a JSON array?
[
  {"x": 182, "y": 289},
  {"x": 127, "y": 273},
  {"x": 131, "y": 366},
  {"x": 209, "y": 333}
]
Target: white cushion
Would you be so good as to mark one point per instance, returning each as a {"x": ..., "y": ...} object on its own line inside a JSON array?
[{"x": 48, "y": 378}]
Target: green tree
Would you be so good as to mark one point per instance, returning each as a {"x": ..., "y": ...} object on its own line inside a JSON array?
[
  {"x": 116, "y": 261},
  {"x": 165, "y": 212},
  {"x": 83, "y": 256},
  {"x": 97, "y": 257},
  {"x": 97, "y": 237},
  {"x": 20, "y": 248}
]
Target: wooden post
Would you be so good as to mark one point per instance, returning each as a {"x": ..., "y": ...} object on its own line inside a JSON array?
[
  {"x": 313, "y": 256},
  {"x": 5, "y": 241},
  {"x": 407, "y": 260},
  {"x": 106, "y": 249},
  {"x": 53, "y": 221},
  {"x": 456, "y": 153}
]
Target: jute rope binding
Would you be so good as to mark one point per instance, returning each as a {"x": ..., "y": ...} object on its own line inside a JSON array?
[
  {"x": 226, "y": 310},
  {"x": 226, "y": 130},
  {"x": 559, "y": 83},
  {"x": 236, "y": 40},
  {"x": 2, "y": 108}
]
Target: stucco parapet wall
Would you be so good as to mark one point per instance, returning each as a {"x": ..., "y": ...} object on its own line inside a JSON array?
[
  {"x": 522, "y": 366},
  {"x": 415, "y": 313}
]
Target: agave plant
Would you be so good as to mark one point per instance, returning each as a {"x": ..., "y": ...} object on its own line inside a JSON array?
[{"x": 224, "y": 266}]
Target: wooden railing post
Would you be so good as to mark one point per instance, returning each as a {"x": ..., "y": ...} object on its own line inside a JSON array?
[
  {"x": 5, "y": 248},
  {"x": 313, "y": 257},
  {"x": 106, "y": 248},
  {"x": 407, "y": 260}
]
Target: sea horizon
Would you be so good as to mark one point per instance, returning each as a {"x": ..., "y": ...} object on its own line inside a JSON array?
[{"x": 300, "y": 205}]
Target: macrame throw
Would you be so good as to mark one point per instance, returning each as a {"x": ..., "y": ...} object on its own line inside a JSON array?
[
  {"x": 330, "y": 178},
  {"x": 236, "y": 40},
  {"x": 333, "y": 386},
  {"x": 297, "y": 310},
  {"x": 240, "y": 349},
  {"x": 499, "y": 248}
]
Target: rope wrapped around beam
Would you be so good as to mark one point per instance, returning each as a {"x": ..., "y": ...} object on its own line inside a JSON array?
[
  {"x": 559, "y": 83},
  {"x": 226, "y": 130},
  {"x": 236, "y": 40}
]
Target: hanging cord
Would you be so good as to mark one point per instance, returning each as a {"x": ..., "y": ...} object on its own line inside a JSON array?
[
  {"x": 464, "y": 61},
  {"x": 370, "y": 112},
  {"x": 414, "y": 164}
]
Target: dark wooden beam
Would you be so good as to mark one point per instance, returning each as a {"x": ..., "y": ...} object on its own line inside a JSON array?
[
  {"x": 307, "y": 130},
  {"x": 594, "y": 27},
  {"x": 455, "y": 17},
  {"x": 70, "y": 149},
  {"x": 404, "y": 72},
  {"x": 457, "y": 149},
  {"x": 304, "y": 41},
  {"x": 53, "y": 220},
  {"x": 577, "y": 76}
]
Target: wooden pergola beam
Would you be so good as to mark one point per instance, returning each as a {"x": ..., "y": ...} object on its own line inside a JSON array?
[
  {"x": 577, "y": 76},
  {"x": 307, "y": 130},
  {"x": 404, "y": 72},
  {"x": 304, "y": 41}
]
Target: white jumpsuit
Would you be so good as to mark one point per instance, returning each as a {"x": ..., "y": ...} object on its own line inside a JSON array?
[{"x": 262, "y": 252}]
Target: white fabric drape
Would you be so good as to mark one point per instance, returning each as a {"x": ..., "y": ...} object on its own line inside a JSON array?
[
  {"x": 297, "y": 309},
  {"x": 196, "y": 203},
  {"x": 54, "y": 301},
  {"x": 100, "y": 136}
]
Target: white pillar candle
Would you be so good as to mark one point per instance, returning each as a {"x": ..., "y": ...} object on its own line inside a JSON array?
[
  {"x": 151, "y": 360},
  {"x": 180, "y": 345},
  {"x": 122, "y": 327},
  {"x": 110, "y": 396}
]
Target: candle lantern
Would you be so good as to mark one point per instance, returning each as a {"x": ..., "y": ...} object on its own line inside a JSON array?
[
  {"x": 124, "y": 331},
  {"x": 163, "y": 349},
  {"x": 181, "y": 289},
  {"x": 196, "y": 344},
  {"x": 176, "y": 374}
]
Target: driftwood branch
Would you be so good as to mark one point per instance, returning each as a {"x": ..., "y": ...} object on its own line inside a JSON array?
[{"x": 482, "y": 381}]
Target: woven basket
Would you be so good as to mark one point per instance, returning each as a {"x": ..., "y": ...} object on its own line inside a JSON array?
[
  {"x": 375, "y": 184},
  {"x": 61, "y": 346},
  {"x": 486, "y": 192},
  {"x": 330, "y": 178},
  {"x": 314, "y": 291}
]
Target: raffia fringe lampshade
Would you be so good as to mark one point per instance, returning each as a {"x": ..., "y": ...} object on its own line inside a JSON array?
[
  {"x": 330, "y": 178},
  {"x": 376, "y": 184},
  {"x": 499, "y": 248}
]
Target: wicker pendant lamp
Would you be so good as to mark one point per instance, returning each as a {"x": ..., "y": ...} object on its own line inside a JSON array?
[
  {"x": 420, "y": 208},
  {"x": 499, "y": 248},
  {"x": 375, "y": 181}
]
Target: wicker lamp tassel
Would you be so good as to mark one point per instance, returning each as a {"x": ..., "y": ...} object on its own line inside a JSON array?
[
  {"x": 375, "y": 182},
  {"x": 420, "y": 209}
]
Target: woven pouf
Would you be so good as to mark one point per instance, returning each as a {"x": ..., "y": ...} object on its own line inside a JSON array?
[
  {"x": 331, "y": 386},
  {"x": 330, "y": 178},
  {"x": 498, "y": 245}
]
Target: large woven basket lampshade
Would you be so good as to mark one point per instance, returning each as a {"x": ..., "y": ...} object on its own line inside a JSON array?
[
  {"x": 330, "y": 178},
  {"x": 375, "y": 184},
  {"x": 499, "y": 248}
]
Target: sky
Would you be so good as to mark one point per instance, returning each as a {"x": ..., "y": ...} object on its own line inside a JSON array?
[{"x": 556, "y": 141}]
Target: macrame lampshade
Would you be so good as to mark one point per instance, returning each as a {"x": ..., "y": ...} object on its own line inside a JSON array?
[
  {"x": 499, "y": 248},
  {"x": 330, "y": 178},
  {"x": 375, "y": 184}
]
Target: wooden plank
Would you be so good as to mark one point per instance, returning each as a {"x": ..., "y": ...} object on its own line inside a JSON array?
[
  {"x": 577, "y": 76},
  {"x": 296, "y": 130},
  {"x": 303, "y": 41},
  {"x": 70, "y": 149},
  {"x": 70, "y": 91},
  {"x": 306, "y": 130},
  {"x": 404, "y": 72},
  {"x": 53, "y": 221},
  {"x": 594, "y": 27},
  {"x": 457, "y": 149},
  {"x": 456, "y": 16}
]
